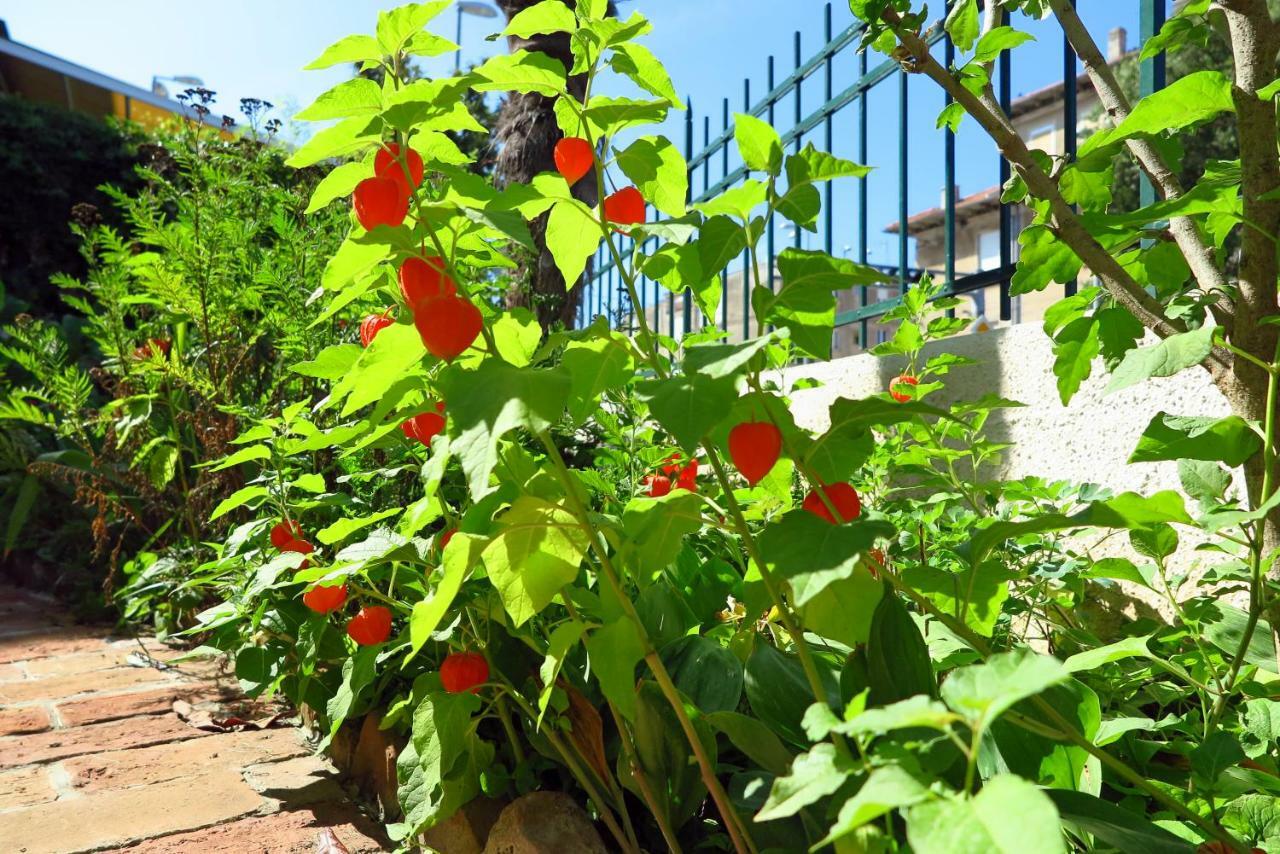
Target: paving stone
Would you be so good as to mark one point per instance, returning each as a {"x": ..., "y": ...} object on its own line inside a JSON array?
[
  {"x": 23, "y": 787},
  {"x": 295, "y": 782},
  {"x": 114, "y": 679},
  {"x": 289, "y": 832},
  {"x": 16, "y": 750},
  {"x": 117, "y": 817},
  {"x": 116, "y": 769},
  {"x": 115, "y": 706},
  {"x": 24, "y": 720},
  {"x": 48, "y": 642},
  {"x": 11, "y": 672}
]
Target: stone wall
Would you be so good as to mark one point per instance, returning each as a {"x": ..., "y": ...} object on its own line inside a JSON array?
[{"x": 1087, "y": 441}]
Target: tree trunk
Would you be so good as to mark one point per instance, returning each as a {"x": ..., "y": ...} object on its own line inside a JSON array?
[{"x": 527, "y": 134}]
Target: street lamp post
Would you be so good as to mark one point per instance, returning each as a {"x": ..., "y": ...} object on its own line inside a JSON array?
[{"x": 469, "y": 7}]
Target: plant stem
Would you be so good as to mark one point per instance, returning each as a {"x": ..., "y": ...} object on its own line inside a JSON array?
[{"x": 733, "y": 822}]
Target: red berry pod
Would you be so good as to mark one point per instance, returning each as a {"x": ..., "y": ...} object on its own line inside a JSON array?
[
  {"x": 448, "y": 325},
  {"x": 324, "y": 600},
  {"x": 379, "y": 201},
  {"x": 445, "y": 537},
  {"x": 659, "y": 485},
  {"x": 687, "y": 478},
  {"x": 386, "y": 164},
  {"x": 301, "y": 547},
  {"x": 625, "y": 207},
  {"x": 282, "y": 533},
  {"x": 897, "y": 392},
  {"x": 574, "y": 158},
  {"x": 841, "y": 495},
  {"x": 464, "y": 671},
  {"x": 370, "y": 626},
  {"x": 424, "y": 279},
  {"x": 424, "y": 427},
  {"x": 754, "y": 447},
  {"x": 373, "y": 324}
]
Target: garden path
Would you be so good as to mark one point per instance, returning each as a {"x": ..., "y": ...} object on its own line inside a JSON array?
[{"x": 94, "y": 755}]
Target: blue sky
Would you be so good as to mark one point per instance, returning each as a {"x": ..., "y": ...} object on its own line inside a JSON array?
[{"x": 258, "y": 47}]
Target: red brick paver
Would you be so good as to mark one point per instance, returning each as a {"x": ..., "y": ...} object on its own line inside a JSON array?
[{"x": 93, "y": 757}]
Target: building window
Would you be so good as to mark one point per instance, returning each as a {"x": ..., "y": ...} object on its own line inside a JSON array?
[
  {"x": 989, "y": 250},
  {"x": 882, "y": 335},
  {"x": 1043, "y": 137}
]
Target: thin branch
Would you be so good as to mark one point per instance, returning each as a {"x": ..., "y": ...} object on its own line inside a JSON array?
[
  {"x": 1065, "y": 222},
  {"x": 1199, "y": 255}
]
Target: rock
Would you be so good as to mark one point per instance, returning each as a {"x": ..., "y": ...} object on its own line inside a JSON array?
[
  {"x": 466, "y": 830},
  {"x": 373, "y": 764},
  {"x": 544, "y": 823}
]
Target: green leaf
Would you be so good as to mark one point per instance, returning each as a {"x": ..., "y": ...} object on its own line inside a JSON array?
[
  {"x": 705, "y": 672},
  {"x": 659, "y": 172},
  {"x": 898, "y": 662},
  {"x": 1118, "y": 828},
  {"x": 352, "y": 49},
  {"x": 1074, "y": 349},
  {"x": 20, "y": 510},
  {"x": 1168, "y": 357},
  {"x": 537, "y": 550},
  {"x": 1228, "y": 440},
  {"x": 517, "y": 334},
  {"x": 1132, "y": 647},
  {"x": 1224, "y": 627},
  {"x": 754, "y": 739},
  {"x": 340, "y": 182},
  {"x": 962, "y": 24},
  {"x": 239, "y": 498},
  {"x": 982, "y": 692},
  {"x": 460, "y": 555},
  {"x": 973, "y": 595},
  {"x": 1216, "y": 754},
  {"x": 811, "y": 553},
  {"x": 397, "y": 26},
  {"x": 805, "y": 303},
  {"x": 664, "y": 754},
  {"x": 594, "y": 367},
  {"x": 758, "y": 143},
  {"x": 487, "y": 403},
  {"x": 814, "y": 775},
  {"x": 615, "y": 650},
  {"x": 390, "y": 359},
  {"x": 724, "y": 360},
  {"x": 918, "y": 710},
  {"x": 358, "y": 96},
  {"x": 1044, "y": 259},
  {"x": 573, "y": 236},
  {"x": 737, "y": 201},
  {"x": 1204, "y": 481},
  {"x": 997, "y": 40},
  {"x": 523, "y": 71},
  {"x": 343, "y": 528},
  {"x": 1189, "y": 100},
  {"x": 843, "y": 609},
  {"x": 809, "y": 165},
  {"x": 779, "y": 693},
  {"x": 563, "y": 638},
  {"x": 889, "y": 787},
  {"x": 244, "y": 455},
  {"x": 1009, "y": 816},
  {"x": 345, "y": 137},
  {"x": 358, "y": 673},
  {"x": 547, "y": 16},
  {"x": 352, "y": 261},
  {"x": 638, "y": 63},
  {"x": 1260, "y": 726},
  {"x": 330, "y": 363},
  {"x": 656, "y": 528},
  {"x": 688, "y": 407}
]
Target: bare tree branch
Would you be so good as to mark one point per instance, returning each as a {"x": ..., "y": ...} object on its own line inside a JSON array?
[{"x": 1186, "y": 234}]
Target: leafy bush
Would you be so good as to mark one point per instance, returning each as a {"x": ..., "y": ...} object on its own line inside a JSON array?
[
  {"x": 181, "y": 324},
  {"x": 612, "y": 563}
]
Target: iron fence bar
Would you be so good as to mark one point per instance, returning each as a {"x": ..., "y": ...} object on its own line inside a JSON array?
[
  {"x": 771, "y": 224},
  {"x": 949, "y": 175},
  {"x": 1152, "y": 74},
  {"x": 799, "y": 116},
  {"x": 688, "y": 156},
  {"x": 747, "y": 272},
  {"x": 1006, "y": 211},
  {"x": 828, "y": 143},
  {"x": 778, "y": 92},
  {"x": 1070, "y": 119},
  {"x": 863, "y": 241},
  {"x": 973, "y": 282},
  {"x": 724, "y": 170},
  {"x": 903, "y": 213}
]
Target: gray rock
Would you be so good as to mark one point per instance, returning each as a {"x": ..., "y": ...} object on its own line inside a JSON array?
[{"x": 544, "y": 823}]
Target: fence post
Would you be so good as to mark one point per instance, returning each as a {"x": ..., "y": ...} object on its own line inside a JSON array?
[
  {"x": 1006, "y": 212},
  {"x": 1151, "y": 74},
  {"x": 1070, "y": 120}
]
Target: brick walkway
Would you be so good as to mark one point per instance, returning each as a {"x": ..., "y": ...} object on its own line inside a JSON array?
[{"x": 93, "y": 757}]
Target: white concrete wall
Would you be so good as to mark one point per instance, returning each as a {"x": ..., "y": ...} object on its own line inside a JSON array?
[{"x": 1087, "y": 441}]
